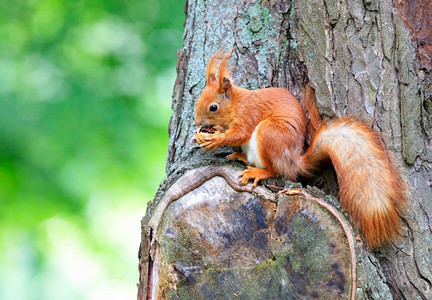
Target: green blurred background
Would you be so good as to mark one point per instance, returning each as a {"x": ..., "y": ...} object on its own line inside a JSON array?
[{"x": 85, "y": 93}]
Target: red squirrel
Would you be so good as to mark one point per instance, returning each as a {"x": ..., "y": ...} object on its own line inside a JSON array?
[{"x": 270, "y": 126}]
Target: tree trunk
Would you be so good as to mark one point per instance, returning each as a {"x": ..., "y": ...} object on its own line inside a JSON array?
[{"x": 205, "y": 236}]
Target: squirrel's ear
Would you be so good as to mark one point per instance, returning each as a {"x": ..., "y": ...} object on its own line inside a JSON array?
[
  {"x": 211, "y": 78},
  {"x": 226, "y": 83},
  {"x": 226, "y": 87}
]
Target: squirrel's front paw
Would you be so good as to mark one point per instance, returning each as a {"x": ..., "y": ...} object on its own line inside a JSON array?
[
  {"x": 209, "y": 138},
  {"x": 209, "y": 141}
]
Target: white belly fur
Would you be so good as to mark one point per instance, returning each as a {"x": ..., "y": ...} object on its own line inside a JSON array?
[{"x": 251, "y": 151}]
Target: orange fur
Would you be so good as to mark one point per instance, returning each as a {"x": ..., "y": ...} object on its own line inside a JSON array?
[
  {"x": 270, "y": 126},
  {"x": 223, "y": 69},
  {"x": 311, "y": 111},
  {"x": 213, "y": 66},
  {"x": 371, "y": 188}
]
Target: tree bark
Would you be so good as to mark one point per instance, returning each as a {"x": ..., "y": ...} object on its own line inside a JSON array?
[{"x": 370, "y": 59}]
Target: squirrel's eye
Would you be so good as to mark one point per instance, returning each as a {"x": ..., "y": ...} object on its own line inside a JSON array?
[{"x": 214, "y": 107}]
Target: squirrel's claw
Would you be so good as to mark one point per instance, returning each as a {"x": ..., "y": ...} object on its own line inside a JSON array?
[{"x": 246, "y": 175}]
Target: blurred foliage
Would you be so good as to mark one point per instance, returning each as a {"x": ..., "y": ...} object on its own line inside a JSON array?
[{"x": 85, "y": 92}]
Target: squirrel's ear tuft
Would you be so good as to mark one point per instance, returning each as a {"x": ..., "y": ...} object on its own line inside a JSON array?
[
  {"x": 224, "y": 74},
  {"x": 212, "y": 67},
  {"x": 219, "y": 62}
]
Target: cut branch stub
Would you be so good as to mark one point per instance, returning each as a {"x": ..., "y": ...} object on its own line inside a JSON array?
[{"x": 217, "y": 242}]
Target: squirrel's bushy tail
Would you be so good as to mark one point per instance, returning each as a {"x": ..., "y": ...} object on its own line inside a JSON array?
[{"x": 370, "y": 187}]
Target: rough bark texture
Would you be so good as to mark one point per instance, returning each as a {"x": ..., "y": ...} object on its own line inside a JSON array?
[{"x": 370, "y": 59}]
